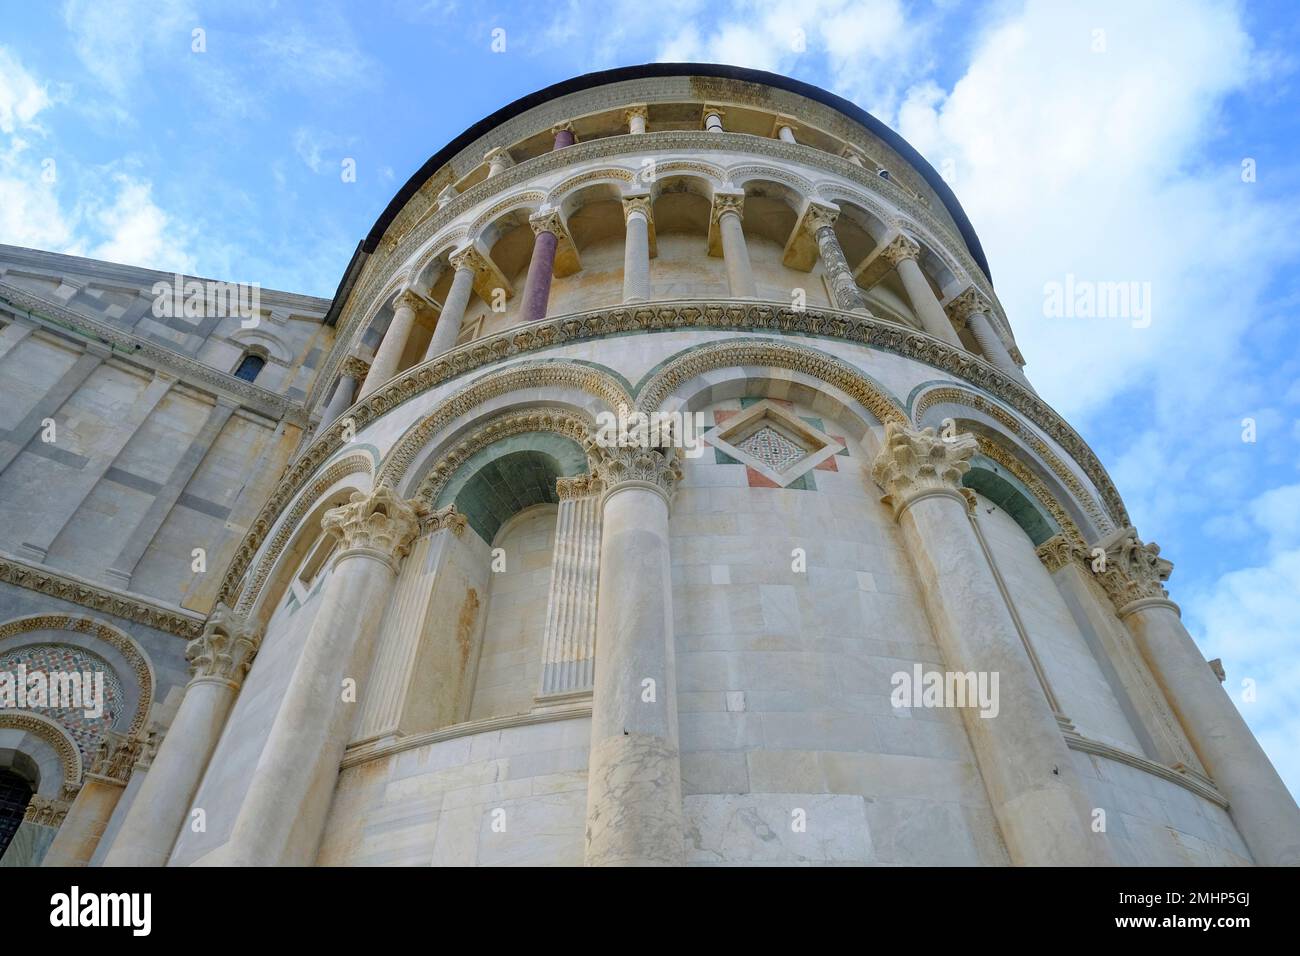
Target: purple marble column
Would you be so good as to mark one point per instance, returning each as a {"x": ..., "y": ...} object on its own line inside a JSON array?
[
  {"x": 563, "y": 137},
  {"x": 537, "y": 287}
]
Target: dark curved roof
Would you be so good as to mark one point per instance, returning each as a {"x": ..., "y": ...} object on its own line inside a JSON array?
[{"x": 604, "y": 77}]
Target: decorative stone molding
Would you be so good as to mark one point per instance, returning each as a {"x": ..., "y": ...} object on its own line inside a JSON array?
[
  {"x": 115, "y": 757},
  {"x": 617, "y": 466},
  {"x": 511, "y": 423},
  {"x": 900, "y": 247},
  {"x": 226, "y": 648},
  {"x": 444, "y": 518},
  {"x": 557, "y": 195},
  {"x": 1065, "y": 436},
  {"x": 869, "y": 331},
  {"x": 49, "y": 731},
  {"x": 94, "y": 597},
  {"x": 1133, "y": 571},
  {"x": 913, "y": 464},
  {"x": 579, "y": 486},
  {"x": 525, "y": 200},
  {"x": 268, "y": 518},
  {"x": 114, "y": 638},
  {"x": 379, "y": 522},
  {"x": 996, "y": 452},
  {"x": 150, "y": 354},
  {"x": 46, "y": 811}
]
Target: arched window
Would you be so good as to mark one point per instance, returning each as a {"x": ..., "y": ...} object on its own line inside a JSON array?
[
  {"x": 15, "y": 794},
  {"x": 249, "y": 366}
]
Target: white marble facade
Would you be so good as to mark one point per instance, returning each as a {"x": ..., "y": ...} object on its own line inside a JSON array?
[{"x": 454, "y": 627}]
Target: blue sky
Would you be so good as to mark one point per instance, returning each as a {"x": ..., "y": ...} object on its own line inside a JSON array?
[{"x": 1103, "y": 140}]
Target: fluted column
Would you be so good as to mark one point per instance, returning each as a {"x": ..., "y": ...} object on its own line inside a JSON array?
[
  {"x": 634, "y": 790},
  {"x": 569, "y": 640},
  {"x": 219, "y": 661},
  {"x": 820, "y": 221},
  {"x": 1258, "y": 800},
  {"x": 974, "y": 310},
  {"x": 902, "y": 254},
  {"x": 1041, "y": 805},
  {"x": 537, "y": 287},
  {"x": 636, "y": 249},
  {"x": 727, "y": 211},
  {"x": 447, "y": 330},
  {"x": 636, "y": 119},
  {"x": 284, "y": 809},
  {"x": 389, "y": 354}
]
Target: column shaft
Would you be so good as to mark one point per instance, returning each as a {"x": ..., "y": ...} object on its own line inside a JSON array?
[
  {"x": 847, "y": 293},
  {"x": 447, "y": 330},
  {"x": 634, "y": 797},
  {"x": 740, "y": 274},
  {"x": 1259, "y": 802},
  {"x": 990, "y": 343},
  {"x": 569, "y": 640},
  {"x": 636, "y": 258},
  {"x": 925, "y": 303},
  {"x": 537, "y": 287},
  {"x": 345, "y": 390},
  {"x": 389, "y": 353},
  {"x": 87, "y": 818}
]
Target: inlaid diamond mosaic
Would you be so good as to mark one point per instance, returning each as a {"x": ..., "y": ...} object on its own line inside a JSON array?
[
  {"x": 772, "y": 448},
  {"x": 778, "y": 448}
]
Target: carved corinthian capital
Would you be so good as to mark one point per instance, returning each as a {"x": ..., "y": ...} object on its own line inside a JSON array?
[
  {"x": 1058, "y": 551},
  {"x": 226, "y": 648},
  {"x": 634, "y": 465},
  {"x": 916, "y": 463},
  {"x": 45, "y": 811},
  {"x": 1132, "y": 571},
  {"x": 962, "y": 307},
  {"x": 727, "y": 202},
  {"x": 900, "y": 248},
  {"x": 379, "y": 522},
  {"x": 818, "y": 215},
  {"x": 447, "y": 517}
]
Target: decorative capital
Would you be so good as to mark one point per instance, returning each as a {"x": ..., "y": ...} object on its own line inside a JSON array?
[
  {"x": 45, "y": 811},
  {"x": 548, "y": 220},
  {"x": 379, "y": 521},
  {"x": 469, "y": 258},
  {"x": 580, "y": 486},
  {"x": 355, "y": 366},
  {"x": 565, "y": 127},
  {"x": 711, "y": 110},
  {"x": 410, "y": 299},
  {"x": 914, "y": 463},
  {"x": 818, "y": 215},
  {"x": 638, "y": 203},
  {"x": 617, "y": 466},
  {"x": 900, "y": 247},
  {"x": 115, "y": 756},
  {"x": 1130, "y": 570},
  {"x": 226, "y": 648},
  {"x": 447, "y": 195},
  {"x": 641, "y": 111},
  {"x": 962, "y": 307},
  {"x": 854, "y": 155},
  {"x": 1058, "y": 551},
  {"x": 727, "y": 202},
  {"x": 447, "y": 517},
  {"x": 499, "y": 158}
]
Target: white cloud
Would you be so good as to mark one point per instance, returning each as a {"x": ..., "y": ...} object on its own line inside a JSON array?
[
  {"x": 116, "y": 41},
  {"x": 21, "y": 97},
  {"x": 137, "y": 231}
]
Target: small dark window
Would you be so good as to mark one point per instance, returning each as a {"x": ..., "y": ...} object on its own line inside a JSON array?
[
  {"x": 249, "y": 367},
  {"x": 15, "y": 794}
]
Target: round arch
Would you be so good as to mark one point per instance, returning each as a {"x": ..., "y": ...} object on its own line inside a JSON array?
[{"x": 50, "y": 747}]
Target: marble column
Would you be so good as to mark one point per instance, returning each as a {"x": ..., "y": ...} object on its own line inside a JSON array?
[
  {"x": 569, "y": 639},
  {"x": 389, "y": 353},
  {"x": 727, "y": 211},
  {"x": 1041, "y": 804},
  {"x": 284, "y": 809},
  {"x": 345, "y": 390},
  {"x": 537, "y": 287},
  {"x": 219, "y": 660},
  {"x": 1258, "y": 800},
  {"x": 848, "y": 296},
  {"x": 447, "y": 330},
  {"x": 564, "y": 136},
  {"x": 902, "y": 253},
  {"x": 784, "y": 129},
  {"x": 974, "y": 311},
  {"x": 636, "y": 249},
  {"x": 636, "y": 119},
  {"x": 90, "y": 812},
  {"x": 713, "y": 119},
  {"x": 498, "y": 160},
  {"x": 634, "y": 789}
]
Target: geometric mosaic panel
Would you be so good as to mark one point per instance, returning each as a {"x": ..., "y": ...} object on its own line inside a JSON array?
[{"x": 85, "y": 731}]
